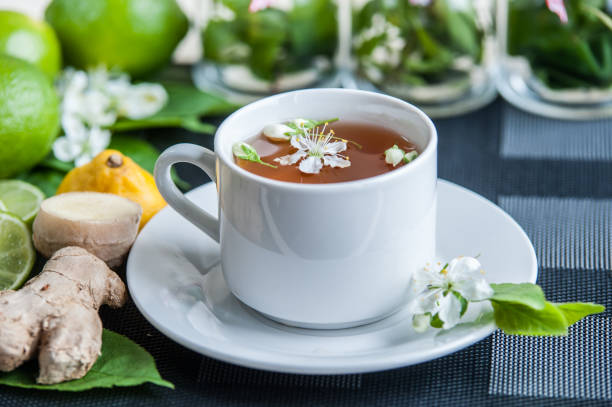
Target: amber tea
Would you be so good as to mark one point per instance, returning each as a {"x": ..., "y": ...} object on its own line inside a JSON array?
[{"x": 320, "y": 152}]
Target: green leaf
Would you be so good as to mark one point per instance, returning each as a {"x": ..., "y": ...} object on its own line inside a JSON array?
[
  {"x": 187, "y": 100},
  {"x": 46, "y": 179},
  {"x": 122, "y": 363},
  {"x": 575, "y": 311},
  {"x": 53, "y": 163},
  {"x": 143, "y": 153},
  {"x": 246, "y": 152},
  {"x": 518, "y": 319},
  {"x": 186, "y": 104},
  {"x": 527, "y": 294}
]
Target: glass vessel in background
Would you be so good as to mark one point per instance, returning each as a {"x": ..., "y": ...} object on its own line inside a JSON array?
[
  {"x": 434, "y": 53},
  {"x": 556, "y": 57},
  {"x": 254, "y": 49}
]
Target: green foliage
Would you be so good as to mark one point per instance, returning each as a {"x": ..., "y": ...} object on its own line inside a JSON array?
[
  {"x": 272, "y": 42},
  {"x": 143, "y": 153},
  {"x": 185, "y": 106},
  {"x": 576, "y": 54},
  {"x": 522, "y": 309},
  {"x": 527, "y": 294},
  {"x": 434, "y": 36},
  {"x": 46, "y": 179},
  {"x": 122, "y": 363},
  {"x": 517, "y": 319}
]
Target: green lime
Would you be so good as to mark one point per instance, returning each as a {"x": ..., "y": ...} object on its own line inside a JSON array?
[
  {"x": 2, "y": 206},
  {"x": 31, "y": 40},
  {"x": 16, "y": 252},
  {"x": 29, "y": 115},
  {"x": 21, "y": 199},
  {"x": 135, "y": 36}
]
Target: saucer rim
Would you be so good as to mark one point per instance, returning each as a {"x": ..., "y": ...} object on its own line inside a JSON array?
[{"x": 325, "y": 365}]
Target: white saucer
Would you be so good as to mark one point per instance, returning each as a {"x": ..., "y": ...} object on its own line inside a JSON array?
[{"x": 175, "y": 280}]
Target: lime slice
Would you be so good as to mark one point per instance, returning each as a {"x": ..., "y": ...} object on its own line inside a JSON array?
[
  {"x": 21, "y": 198},
  {"x": 16, "y": 252},
  {"x": 2, "y": 206}
]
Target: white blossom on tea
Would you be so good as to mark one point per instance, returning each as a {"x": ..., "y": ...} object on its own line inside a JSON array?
[
  {"x": 316, "y": 149},
  {"x": 444, "y": 295},
  {"x": 300, "y": 123},
  {"x": 394, "y": 155},
  {"x": 247, "y": 152},
  {"x": 278, "y": 132}
]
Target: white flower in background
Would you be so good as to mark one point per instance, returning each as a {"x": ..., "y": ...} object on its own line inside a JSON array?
[
  {"x": 141, "y": 100},
  {"x": 316, "y": 149},
  {"x": 91, "y": 101},
  {"x": 387, "y": 52},
  {"x": 441, "y": 292},
  {"x": 278, "y": 132},
  {"x": 420, "y": 2},
  {"x": 81, "y": 147}
]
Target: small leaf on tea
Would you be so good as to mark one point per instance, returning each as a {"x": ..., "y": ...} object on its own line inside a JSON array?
[
  {"x": 410, "y": 156},
  {"x": 246, "y": 152}
]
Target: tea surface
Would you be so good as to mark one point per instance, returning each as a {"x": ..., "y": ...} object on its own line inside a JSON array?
[{"x": 365, "y": 149}]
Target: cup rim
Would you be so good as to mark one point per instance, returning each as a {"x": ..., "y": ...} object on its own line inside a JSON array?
[{"x": 422, "y": 159}]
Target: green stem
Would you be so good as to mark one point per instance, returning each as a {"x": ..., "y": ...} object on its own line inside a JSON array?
[
  {"x": 603, "y": 17},
  {"x": 266, "y": 164}
]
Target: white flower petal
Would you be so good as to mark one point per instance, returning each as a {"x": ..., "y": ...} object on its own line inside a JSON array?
[
  {"x": 394, "y": 155},
  {"x": 97, "y": 109},
  {"x": 426, "y": 303},
  {"x": 450, "y": 311},
  {"x": 83, "y": 159},
  {"x": 66, "y": 150},
  {"x": 335, "y": 161},
  {"x": 98, "y": 140},
  {"x": 300, "y": 122},
  {"x": 300, "y": 142},
  {"x": 291, "y": 158},
  {"x": 420, "y": 322},
  {"x": 429, "y": 277},
  {"x": 463, "y": 267},
  {"x": 311, "y": 165},
  {"x": 74, "y": 128},
  {"x": 474, "y": 289},
  {"x": 142, "y": 100},
  {"x": 334, "y": 148},
  {"x": 277, "y": 132}
]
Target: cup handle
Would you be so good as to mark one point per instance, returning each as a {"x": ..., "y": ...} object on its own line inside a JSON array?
[{"x": 196, "y": 155}]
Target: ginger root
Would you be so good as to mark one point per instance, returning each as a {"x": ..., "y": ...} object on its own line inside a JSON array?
[
  {"x": 106, "y": 225},
  {"x": 55, "y": 316}
]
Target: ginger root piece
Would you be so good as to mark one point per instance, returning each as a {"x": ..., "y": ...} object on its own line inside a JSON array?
[
  {"x": 106, "y": 225},
  {"x": 55, "y": 316},
  {"x": 112, "y": 172}
]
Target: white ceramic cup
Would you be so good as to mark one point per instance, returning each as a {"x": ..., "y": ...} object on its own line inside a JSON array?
[{"x": 317, "y": 256}]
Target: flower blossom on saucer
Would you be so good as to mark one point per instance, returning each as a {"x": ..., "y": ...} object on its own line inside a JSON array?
[
  {"x": 316, "y": 149},
  {"x": 444, "y": 295}
]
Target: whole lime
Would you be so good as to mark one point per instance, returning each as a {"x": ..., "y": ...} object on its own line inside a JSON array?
[
  {"x": 135, "y": 36},
  {"x": 34, "y": 41},
  {"x": 29, "y": 115}
]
